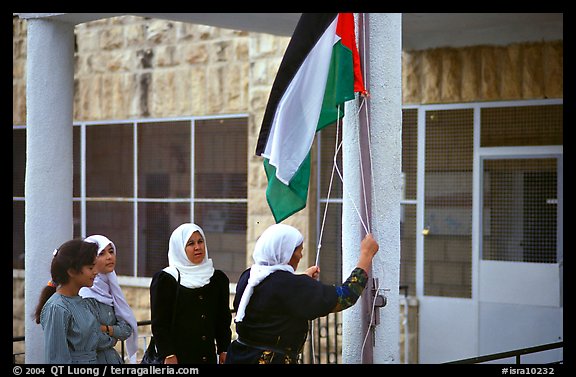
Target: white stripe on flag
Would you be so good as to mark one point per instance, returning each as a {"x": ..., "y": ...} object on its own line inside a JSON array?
[{"x": 296, "y": 117}]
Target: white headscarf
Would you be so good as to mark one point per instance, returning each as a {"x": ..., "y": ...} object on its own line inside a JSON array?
[
  {"x": 106, "y": 290},
  {"x": 191, "y": 275},
  {"x": 272, "y": 252}
]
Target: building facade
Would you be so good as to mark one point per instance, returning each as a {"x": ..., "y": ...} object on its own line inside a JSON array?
[{"x": 166, "y": 118}]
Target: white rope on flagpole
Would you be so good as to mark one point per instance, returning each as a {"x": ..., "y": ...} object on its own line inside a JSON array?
[
  {"x": 371, "y": 319},
  {"x": 350, "y": 197},
  {"x": 363, "y": 182}
]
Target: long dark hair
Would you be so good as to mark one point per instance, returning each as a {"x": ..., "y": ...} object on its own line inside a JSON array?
[{"x": 73, "y": 254}]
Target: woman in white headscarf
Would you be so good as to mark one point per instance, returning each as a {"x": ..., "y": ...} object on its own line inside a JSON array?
[
  {"x": 273, "y": 304},
  {"x": 201, "y": 311},
  {"x": 106, "y": 300}
]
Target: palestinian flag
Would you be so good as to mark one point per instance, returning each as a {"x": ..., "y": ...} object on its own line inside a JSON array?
[{"x": 320, "y": 71}]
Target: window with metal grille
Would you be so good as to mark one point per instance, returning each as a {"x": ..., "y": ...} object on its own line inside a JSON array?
[
  {"x": 330, "y": 260},
  {"x": 135, "y": 182},
  {"x": 520, "y": 210},
  {"x": 18, "y": 176},
  {"x": 408, "y": 200},
  {"x": 448, "y": 203},
  {"x": 522, "y": 126}
]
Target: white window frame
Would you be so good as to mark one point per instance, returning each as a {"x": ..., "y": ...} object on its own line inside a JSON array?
[{"x": 192, "y": 200}]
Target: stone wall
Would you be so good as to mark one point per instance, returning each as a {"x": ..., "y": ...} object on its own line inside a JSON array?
[{"x": 483, "y": 73}]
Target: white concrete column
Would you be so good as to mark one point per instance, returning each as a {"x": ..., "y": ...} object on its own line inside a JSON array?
[
  {"x": 48, "y": 185},
  {"x": 384, "y": 77}
]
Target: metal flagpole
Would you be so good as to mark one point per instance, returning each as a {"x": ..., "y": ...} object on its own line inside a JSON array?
[
  {"x": 379, "y": 133},
  {"x": 366, "y": 192},
  {"x": 372, "y": 300},
  {"x": 374, "y": 136}
]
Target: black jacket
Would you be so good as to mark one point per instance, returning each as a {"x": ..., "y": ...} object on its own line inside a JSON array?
[
  {"x": 280, "y": 307},
  {"x": 202, "y": 322}
]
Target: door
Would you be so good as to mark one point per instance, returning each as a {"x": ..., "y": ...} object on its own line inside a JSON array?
[
  {"x": 519, "y": 279},
  {"x": 448, "y": 315}
]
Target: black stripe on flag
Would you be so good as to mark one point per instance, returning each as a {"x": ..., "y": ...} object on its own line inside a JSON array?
[{"x": 308, "y": 31}]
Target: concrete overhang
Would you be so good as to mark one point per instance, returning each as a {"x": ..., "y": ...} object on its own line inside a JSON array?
[{"x": 419, "y": 30}]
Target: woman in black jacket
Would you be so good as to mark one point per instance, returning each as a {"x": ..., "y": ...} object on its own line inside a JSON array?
[
  {"x": 201, "y": 314},
  {"x": 273, "y": 304}
]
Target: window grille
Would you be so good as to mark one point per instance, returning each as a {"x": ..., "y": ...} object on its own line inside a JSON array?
[
  {"x": 522, "y": 126},
  {"x": 142, "y": 179},
  {"x": 448, "y": 203},
  {"x": 109, "y": 160},
  {"x": 18, "y": 175},
  {"x": 520, "y": 210},
  {"x": 408, "y": 206},
  {"x": 331, "y": 252}
]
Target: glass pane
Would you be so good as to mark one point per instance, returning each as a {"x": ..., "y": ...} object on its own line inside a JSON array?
[
  {"x": 164, "y": 159},
  {"x": 77, "y": 219},
  {"x": 224, "y": 225},
  {"x": 109, "y": 160},
  {"x": 115, "y": 221},
  {"x": 520, "y": 208},
  {"x": 330, "y": 262},
  {"x": 18, "y": 161},
  {"x": 156, "y": 221},
  {"x": 77, "y": 162},
  {"x": 327, "y": 147},
  {"x": 409, "y": 152},
  {"x": 220, "y": 152},
  {"x": 522, "y": 126},
  {"x": 448, "y": 203},
  {"x": 408, "y": 247},
  {"x": 18, "y": 234}
]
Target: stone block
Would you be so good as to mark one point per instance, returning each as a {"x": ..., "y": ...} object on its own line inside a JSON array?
[
  {"x": 554, "y": 70},
  {"x": 431, "y": 76},
  {"x": 532, "y": 71},
  {"x": 160, "y": 32},
  {"x": 470, "y": 74},
  {"x": 194, "y": 53},
  {"x": 111, "y": 38},
  {"x": 490, "y": 78},
  {"x": 411, "y": 77},
  {"x": 510, "y": 73},
  {"x": 135, "y": 34},
  {"x": 166, "y": 56},
  {"x": 451, "y": 75}
]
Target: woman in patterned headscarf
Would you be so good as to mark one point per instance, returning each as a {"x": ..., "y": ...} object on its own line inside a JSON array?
[
  {"x": 202, "y": 316},
  {"x": 107, "y": 302},
  {"x": 274, "y": 304}
]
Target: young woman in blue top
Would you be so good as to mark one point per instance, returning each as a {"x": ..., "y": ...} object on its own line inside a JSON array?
[{"x": 71, "y": 333}]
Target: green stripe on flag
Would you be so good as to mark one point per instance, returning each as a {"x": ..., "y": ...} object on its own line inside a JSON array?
[
  {"x": 339, "y": 85},
  {"x": 283, "y": 200}
]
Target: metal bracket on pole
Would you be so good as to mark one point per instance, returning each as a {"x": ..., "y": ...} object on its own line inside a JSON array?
[{"x": 379, "y": 301}]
